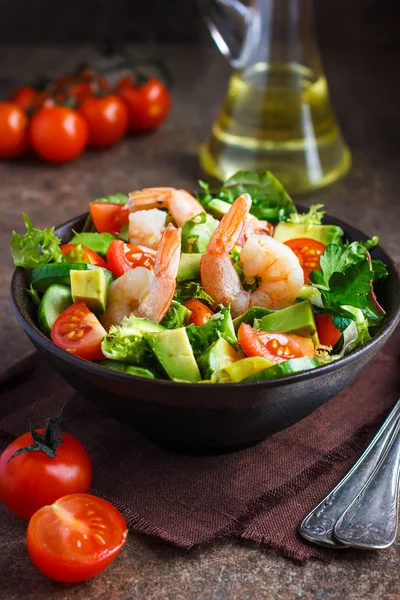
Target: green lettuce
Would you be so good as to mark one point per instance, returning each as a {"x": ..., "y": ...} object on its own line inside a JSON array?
[
  {"x": 126, "y": 343},
  {"x": 176, "y": 316},
  {"x": 270, "y": 200},
  {"x": 113, "y": 199},
  {"x": 219, "y": 325},
  {"x": 188, "y": 290},
  {"x": 98, "y": 242},
  {"x": 36, "y": 247},
  {"x": 313, "y": 217}
]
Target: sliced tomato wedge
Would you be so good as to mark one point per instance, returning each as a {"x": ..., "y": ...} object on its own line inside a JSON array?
[
  {"x": 200, "y": 312},
  {"x": 122, "y": 257},
  {"x": 76, "y": 537},
  {"x": 87, "y": 255},
  {"x": 78, "y": 331},
  {"x": 108, "y": 217},
  {"x": 277, "y": 347},
  {"x": 328, "y": 334},
  {"x": 308, "y": 252}
]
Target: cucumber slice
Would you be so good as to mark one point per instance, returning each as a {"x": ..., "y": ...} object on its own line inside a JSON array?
[
  {"x": 45, "y": 275},
  {"x": 55, "y": 300},
  {"x": 288, "y": 367},
  {"x": 114, "y": 365}
]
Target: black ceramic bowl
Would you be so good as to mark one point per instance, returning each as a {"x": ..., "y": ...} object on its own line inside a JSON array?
[{"x": 208, "y": 417}]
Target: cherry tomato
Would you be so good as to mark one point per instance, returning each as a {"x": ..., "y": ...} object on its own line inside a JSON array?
[
  {"x": 148, "y": 104},
  {"x": 328, "y": 334},
  {"x": 25, "y": 96},
  {"x": 82, "y": 85},
  {"x": 308, "y": 252},
  {"x": 123, "y": 257},
  {"x": 277, "y": 347},
  {"x": 200, "y": 312},
  {"x": 108, "y": 217},
  {"x": 33, "y": 479},
  {"x": 87, "y": 255},
  {"x": 13, "y": 130},
  {"x": 76, "y": 537},
  {"x": 78, "y": 331},
  {"x": 58, "y": 133},
  {"x": 107, "y": 117}
]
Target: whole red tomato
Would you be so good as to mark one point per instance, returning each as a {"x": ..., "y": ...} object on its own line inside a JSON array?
[
  {"x": 34, "y": 479},
  {"x": 58, "y": 133},
  {"x": 25, "y": 96},
  {"x": 107, "y": 118},
  {"x": 13, "y": 130},
  {"x": 148, "y": 103}
]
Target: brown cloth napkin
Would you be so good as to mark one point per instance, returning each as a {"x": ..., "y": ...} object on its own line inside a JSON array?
[{"x": 259, "y": 494}]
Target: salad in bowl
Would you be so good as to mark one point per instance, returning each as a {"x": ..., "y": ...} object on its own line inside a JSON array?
[{"x": 222, "y": 287}]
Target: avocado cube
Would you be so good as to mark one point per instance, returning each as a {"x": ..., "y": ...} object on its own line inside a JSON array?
[
  {"x": 327, "y": 234},
  {"x": 218, "y": 356},
  {"x": 90, "y": 287},
  {"x": 174, "y": 352},
  {"x": 218, "y": 208},
  {"x": 241, "y": 369},
  {"x": 298, "y": 319},
  {"x": 189, "y": 267}
]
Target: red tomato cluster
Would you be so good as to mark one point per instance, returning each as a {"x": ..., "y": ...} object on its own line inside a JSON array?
[
  {"x": 77, "y": 111},
  {"x": 45, "y": 475}
]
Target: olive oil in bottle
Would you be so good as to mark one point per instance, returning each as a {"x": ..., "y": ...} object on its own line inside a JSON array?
[{"x": 277, "y": 117}]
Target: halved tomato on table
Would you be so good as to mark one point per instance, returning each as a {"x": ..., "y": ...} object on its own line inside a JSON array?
[
  {"x": 277, "y": 347},
  {"x": 85, "y": 254},
  {"x": 76, "y": 537},
  {"x": 122, "y": 257},
  {"x": 308, "y": 252},
  {"x": 108, "y": 217},
  {"x": 78, "y": 331}
]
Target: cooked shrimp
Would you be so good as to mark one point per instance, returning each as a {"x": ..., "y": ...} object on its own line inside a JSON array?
[
  {"x": 276, "y": 265},
  {"x": 180, "y": 204},
  {"x": 146, "y": 227},
  {"x": 144, "y": 292}
]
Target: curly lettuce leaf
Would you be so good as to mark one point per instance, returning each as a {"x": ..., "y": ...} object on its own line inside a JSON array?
[
  {"x": 220, "y": 325},
  {"x": 113, "y": 199},
  {"x": 36, "y": 247},
  {"x": 176, "y": 316},
  {"x": 126, "y": 343},
  {"x": 188, "y": 290},
  {"x": 313, "y": 217},
  {"x": 270, "y": 200}
]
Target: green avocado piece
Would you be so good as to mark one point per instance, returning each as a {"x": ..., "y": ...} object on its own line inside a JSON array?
[
  {"x": 241, "y": 369},
  {"x": 327, "y": 234},
  {"x": 197, "y": 232},
  {"x": 176, "y": 316},
  {"x": 124, "y": 233},
  {"x": 218, "y": 208},
  {"x": 56, "y": 299},
  {"x": 115, "y": 365},
  {"x": 91, "y": 288},
  {"x": 298, "y": 319},
  {"x": 98, "y": 242},
  {"x": 174, "y": 352},
  {"x": 189, "y": 267},
  {"x": 218, "y": 356},
  {"x": 45, "y": 275},
  {"x": 288, "y": 367},
  {"x": 255, "y": 312}
]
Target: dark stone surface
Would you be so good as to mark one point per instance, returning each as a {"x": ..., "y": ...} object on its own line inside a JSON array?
[{"x": 365, "y": 94}]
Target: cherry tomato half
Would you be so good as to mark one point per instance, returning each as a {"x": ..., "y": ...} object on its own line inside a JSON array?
[
  {"x": 308, "y": 252},
  {"x": 328, "y": 334},
  {"x": 107, "y": 118},
  {"x": 33, "y": 479},
  {"x": 200, "y": 312},
  {"x": 108, "y": 217},
  {"x": 58, "y": 134},
  {"x": 277, "y": 347},
  {"x": 25, "y": 96},
  {"x": 76, "y": 537},
  {"x": 78, "y": 331},
  {"x": 122, "y": 257},
  {"x": 87, "y": 255},
  {"x": 148, "y": 104},
  {"x": 13, "y": 130}
]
